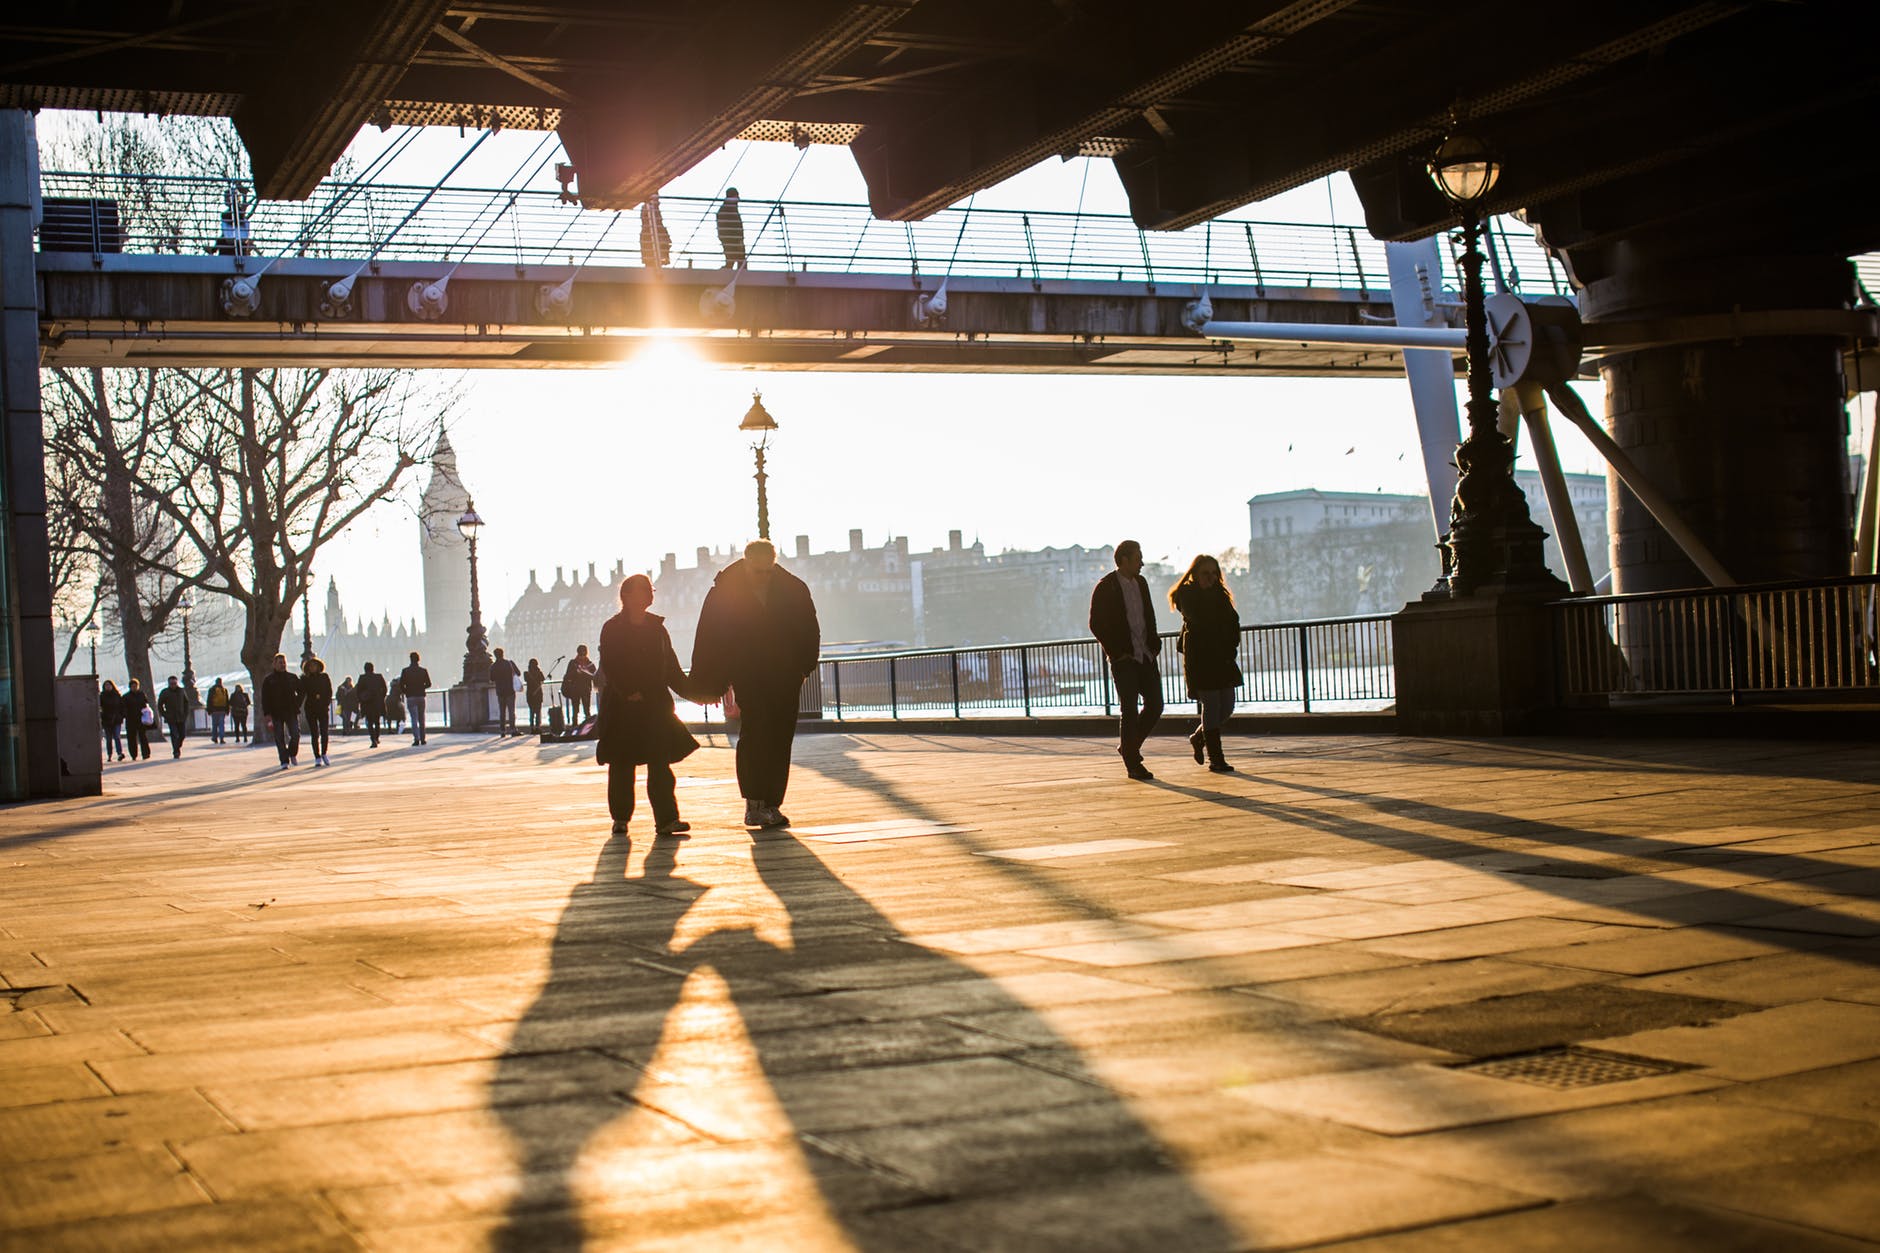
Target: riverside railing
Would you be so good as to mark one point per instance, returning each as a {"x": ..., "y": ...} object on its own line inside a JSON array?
[
  {"x": 185, "y": 216},
  {"x": 1321, "y": 666},
  {"x": 1759, "y": 643}
]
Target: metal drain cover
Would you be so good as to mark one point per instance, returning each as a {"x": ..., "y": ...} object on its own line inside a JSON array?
[{"x": 1569, "y": 1067}]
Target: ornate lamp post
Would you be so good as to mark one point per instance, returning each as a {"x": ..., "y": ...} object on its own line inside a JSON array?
[
  {"x": 91, "y": 642},
  {"x": 306, "y": 622},
  {"x": 476, "y": 657},
  {"x": 187, "y": 604},
  {"x": 1491, "y": 541},
  {"x": 757, "y": 418}
]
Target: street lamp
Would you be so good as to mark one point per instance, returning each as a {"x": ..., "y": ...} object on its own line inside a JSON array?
[
  {"x": 187, "y": 604},
  {"x": 476, "y": 657},
  {"x": 1491, "y": 540},
  {"x": 757, "y": 418},
  {"x": 306, "y": 622},
  {"x": 91, "y": 641}
]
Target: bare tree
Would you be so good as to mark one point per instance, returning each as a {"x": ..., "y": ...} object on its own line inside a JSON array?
[
  {"x": 270, "y": 466},
  {"x": 106, "y": 433}
]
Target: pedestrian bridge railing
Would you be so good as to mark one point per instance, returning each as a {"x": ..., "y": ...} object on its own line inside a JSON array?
[
  {"x": 1765, "y": 643},
  {"x": 178, "y": 215},
  {"x": 1322, "y": 666}
]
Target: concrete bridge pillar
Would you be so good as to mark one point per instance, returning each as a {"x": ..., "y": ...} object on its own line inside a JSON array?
[
  {"x": 29, "y": 748},
  {"x": 1746, "y": 436}
]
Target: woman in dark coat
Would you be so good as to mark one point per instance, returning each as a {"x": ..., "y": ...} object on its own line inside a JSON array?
[
  {"x": 639, "y": 673},
  {"x": 316, "y": 689},
  {"x": 136, "y": 700},
  {"x": 1210, "y": 649},
  {"x": 111, "y": 714},
  {"x": 532, "y": 681}
]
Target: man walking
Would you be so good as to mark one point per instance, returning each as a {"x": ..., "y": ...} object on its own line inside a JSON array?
[
  {"x": 173, "y": 707},
  {"x": 1122, "y": 617},
  {"x": 216, "y": 702},
  {"x": 370, "y": 693},
  {"x": 757, "y": 632},
  {"x": 506, "y": 679},
  {"x": 416, "y": 681},
  {"x": 238, "y": 703},
  {"x": 280, "y": 704}
]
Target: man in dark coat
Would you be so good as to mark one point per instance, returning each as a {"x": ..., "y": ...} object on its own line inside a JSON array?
[
  {"x": 757, "y": 632},
  {"x": 136, "y": 700},
  {"x": 370, "y": 691},
  {"x": 731, "y": 229},
  {"x": 173, "y": 708},
  {"x": 416, "y": 681},
  {"x": 638, "y": 726},
  {"x": 1122, "y": 617},
  {"x": 280, "y": 704},
  {"x": 505, "y": 678}
]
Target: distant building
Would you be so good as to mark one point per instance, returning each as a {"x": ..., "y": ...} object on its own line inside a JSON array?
[{"x": 1318, "y": 554}]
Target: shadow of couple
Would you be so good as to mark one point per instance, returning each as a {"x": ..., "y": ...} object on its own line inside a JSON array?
[{"x": 767, "y": 1048}]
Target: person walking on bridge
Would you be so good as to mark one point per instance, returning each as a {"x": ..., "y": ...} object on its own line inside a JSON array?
[
  {"x": 111, "y": 715},
  {"x": 731, "y": 229},
  {"x": 655, "y": 239},
  {"x": 1210, "y": 649},
  {"x": 758, "y": 634},
  {"x": 532, "y": 681},
  {"x": 239, "y": 703},
  {"x": 1122, "y": 617},
  {"x": 577, "y": 687},
  {"x": 216, "y": 702}
]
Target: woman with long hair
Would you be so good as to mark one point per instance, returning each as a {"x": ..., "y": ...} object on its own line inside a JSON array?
[
  {"x": 111, "y": 714},
  {"x": 1210, "y": 649},
  {"x": 316, "y": 687}
]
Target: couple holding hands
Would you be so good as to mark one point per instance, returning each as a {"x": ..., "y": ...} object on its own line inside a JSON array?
[{"x": 757, "y": 635}]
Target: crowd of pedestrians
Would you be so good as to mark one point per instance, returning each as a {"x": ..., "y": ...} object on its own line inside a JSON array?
[{"x": 757, "y": 638}]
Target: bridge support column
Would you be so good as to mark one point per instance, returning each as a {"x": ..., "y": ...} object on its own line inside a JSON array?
[
  {"x": 1746, "y": 438},
  {"x": 29, "y": 749}
]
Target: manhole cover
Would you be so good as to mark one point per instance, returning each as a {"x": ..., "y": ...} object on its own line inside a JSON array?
[{"x": 1569, "y": 1068}]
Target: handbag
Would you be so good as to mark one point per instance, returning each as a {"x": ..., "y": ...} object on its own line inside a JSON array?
[{"x": 148, "y": 716}]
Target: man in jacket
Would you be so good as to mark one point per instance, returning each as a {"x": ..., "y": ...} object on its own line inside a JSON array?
[
  {"x": 346, "y": 700},
  {"x": 577, "y": 686},
  {"x": 1122, "y": 617},
  {"x": 370, "y": 693},
  {"x": 757, "y": 632},
  {"x": 136, "y": 701},
  {"x": 173, "y": 708},
  {"x": 216, "y": 702},
  {"x": 416, "y": 681},
  {"x": 280, "y": 704},
  {"x": 506, "y": 679}
]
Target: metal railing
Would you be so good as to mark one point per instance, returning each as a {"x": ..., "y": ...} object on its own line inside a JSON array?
[
  {"x": 1741, "y": 644},
  {"x": 1337, "y": 664},
  {"x": 184, "y": 216}
]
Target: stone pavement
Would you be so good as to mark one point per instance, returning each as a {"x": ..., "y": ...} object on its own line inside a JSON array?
[{"x": 989, "y": 995}]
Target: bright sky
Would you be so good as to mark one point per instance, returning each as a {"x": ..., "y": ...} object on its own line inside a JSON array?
[{"x": 578, "y": 466}]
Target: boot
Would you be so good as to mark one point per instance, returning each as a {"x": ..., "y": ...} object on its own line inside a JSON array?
[
  {"x": 1216, "y": 762},
  {"x": 1195, "y": 740}
]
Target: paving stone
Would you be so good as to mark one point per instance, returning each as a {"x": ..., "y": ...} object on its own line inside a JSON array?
[
  {"x": 1851, "y": 1091},
  {"x": 1182, "y": 946},
  {"x": 1258, "y": 1205},
  {"x": 1254, "y": 969},
  {"x": 1489, "y": 939},
  {"x": 280, "y": 1226},
  {"x": 1834, "y": 1194},
  {"x": 1849, "y": 974},
  {"x": 38, "y": 1133},
  {"x": 1674, "y": 950},
  {"x": 1620, "y": 1223},
  {"x": 183, "y": 1070},
  {"x": 1618, "y": 1149},
  {"x": 1376, "y": 992},
  {"x": 1764, "y": 1043},
  {"x": 1531, "y": 1020},
  {"x": 122, "y": 1181}
]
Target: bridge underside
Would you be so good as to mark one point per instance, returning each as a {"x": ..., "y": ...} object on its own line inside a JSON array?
[{"x": 139, "y": 311}]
